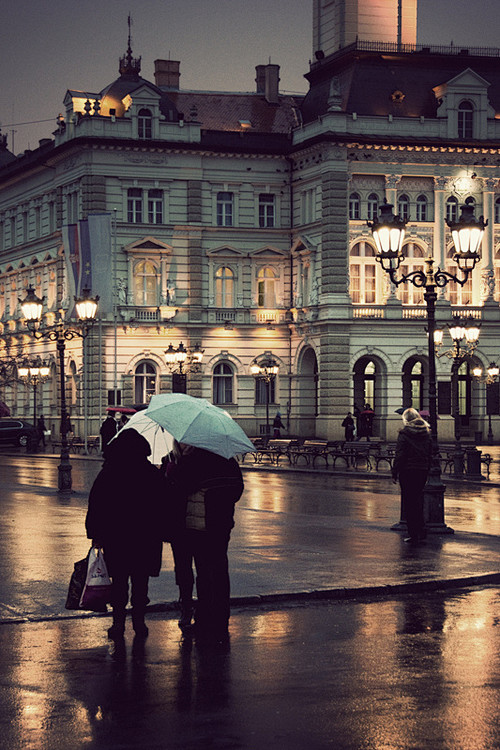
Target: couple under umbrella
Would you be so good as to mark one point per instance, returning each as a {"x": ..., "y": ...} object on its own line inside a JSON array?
[{"x": 134, "y": 506}]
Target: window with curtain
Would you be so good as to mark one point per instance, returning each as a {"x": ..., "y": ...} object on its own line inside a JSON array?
[
  {"x": 497, "y": 211},
  {"x": 146, "y": 282},
  {"x": 457, "y": 294},
  {"x": 372, "y": 206},
  {"x": 261, "y": 391},
  {"x": 363, "y": 274},
  {"x": 266, "y": 287},
  {"x": 155, "y": 206},
  {"x": 414, "y": 261},
  {"x": 421, "y": 205},
  {"x": 354, "y": 206},
  {"x": 145, "y": 124},
  {"x": 224, "y": 287},
  {"x": 404, "y": 207},
  {"x": 145, "y": 377},
  {"x": 452, "y": 208},
  {"x": 223, "y": 384},
  {"x": 266, "y": 210},
  {"x": 225, "y": 209}
]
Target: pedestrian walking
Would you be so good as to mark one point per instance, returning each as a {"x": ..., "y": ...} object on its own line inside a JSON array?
[
  {"x": 208, "y": 486},
  {"x": 108, "y": 430},
  {"x": 277, "y": 425},
  {"x": 366, "y": 422},
  {"x": 348, "y": 425},
  {"x": 41, "y": 429},
  {"x": 127, "y": 517},
  {"x": 411, "y": 466}
]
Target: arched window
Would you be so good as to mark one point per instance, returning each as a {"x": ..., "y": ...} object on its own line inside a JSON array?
[
  {"x": 452, "y": 208},
  {"x": 413, "y": 384},
  {"x": 145, "y": 378},
  {"x": 261, "y": 390},
  {"x": 146, "y": 283},
  {"x": 224, "y": 287},
  {"x": 404, "y": 207},
  {"x": 223, "y": 384},
  {"x": 465, "y": 119},
  {"x": 457, "y": 294},
  {"x": 414, "y": 261},
  {"x": 71, "y": 395},
  {"x": 421, "y": 208},
  {"x": 266, "y": 287},
  {"x": 354, "y": 206},
  {"x": 363, "y": 274},
  {"x": 497, "y": 211},
  {"x": 372, "y": 206},
  {"x": 145, "y": 124},
  {"x": 365, "y": 377}
]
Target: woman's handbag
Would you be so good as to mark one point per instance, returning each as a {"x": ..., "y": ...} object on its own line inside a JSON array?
[
  {"x": 97, "y": 589},
  {"x": 76, "y": 584}
]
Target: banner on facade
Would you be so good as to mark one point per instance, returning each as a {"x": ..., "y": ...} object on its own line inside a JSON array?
[{"x": 87, "y": 248}]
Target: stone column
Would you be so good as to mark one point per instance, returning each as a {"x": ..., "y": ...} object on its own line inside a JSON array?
[{"x": 487, "y": 246}]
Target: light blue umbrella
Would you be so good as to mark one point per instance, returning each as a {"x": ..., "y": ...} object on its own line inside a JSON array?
[
  {"x": 160, "y": 440},
  {"x": 197, "y": 422}
]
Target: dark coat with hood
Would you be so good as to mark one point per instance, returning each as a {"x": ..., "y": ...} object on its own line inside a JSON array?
[
  {"x": 127, "y": 507},
  {"x": 413, "y": 448}
]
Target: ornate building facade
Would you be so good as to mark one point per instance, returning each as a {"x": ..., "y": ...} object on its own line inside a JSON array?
[{"x": 235, "y": 223}]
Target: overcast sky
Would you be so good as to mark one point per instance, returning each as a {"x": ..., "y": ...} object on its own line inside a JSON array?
[{"x": 49, "y": 47}]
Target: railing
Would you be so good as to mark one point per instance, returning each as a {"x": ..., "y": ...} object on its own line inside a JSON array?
[{"x": 421, "y": 49}]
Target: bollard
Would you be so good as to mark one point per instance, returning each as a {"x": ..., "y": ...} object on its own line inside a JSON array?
[{"x": 473, "y": 464}]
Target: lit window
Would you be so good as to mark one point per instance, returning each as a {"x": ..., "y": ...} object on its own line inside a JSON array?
[
  {"x": 146, "y": 283},
  {"x": 372, "y": 206},
  {"x": 404, "y": 207},
  {"x": 354, "y": 206},
  {"x": 266, "y": 287},
  {"x": 145, "y": 124},
  {"x": 134, "y": 205},
  {"x": 224, "y": 287},
  {"x": 266, "y": 210},
  {"x": 414, "y": 261},
  {"x": 224, "y": 209},
  {"x": 144, "y": 382},
  {"x": 155, "y": 206},
  {"x": 363, "y": 274},
  {"x": 223, "y": 384},
  {"x": 457, "y": 294},
  {"x": 465, "y": 120},
  {"x": 421, "y": 208},
  {"x": 497, "y": 211}
]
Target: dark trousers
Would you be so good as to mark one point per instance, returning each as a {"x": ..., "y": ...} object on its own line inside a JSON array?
[
  {"x": 183, "y": 566},
  {"x": 209, "y": 550},
  {"x": 412, "y": 482},
  {"x": 120, "y": 592}
]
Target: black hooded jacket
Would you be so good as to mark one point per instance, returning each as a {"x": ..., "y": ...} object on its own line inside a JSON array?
[{"x": 413, "y": 449}]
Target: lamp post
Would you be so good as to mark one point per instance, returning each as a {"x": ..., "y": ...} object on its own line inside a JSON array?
[
  {"x": 465, "y": 337},
  {"x": 389, "y": 232},
  {"x": 34, "y": 372},
  {"x": 180, "y": 361},
  {"x": 86, "y": 308},
  {"x": 491, "y": 376},
  {"x": 265, "y": 370}
]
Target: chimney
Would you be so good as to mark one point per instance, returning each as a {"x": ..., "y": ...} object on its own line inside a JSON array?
[
  {"x": 167, "y": 74},
  {"x": 267, "y": 80}
]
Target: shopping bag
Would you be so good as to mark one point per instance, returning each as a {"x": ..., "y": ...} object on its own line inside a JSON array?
[
  {"x": 97, "y": 589},
  {"x": 76, "y": 584}
]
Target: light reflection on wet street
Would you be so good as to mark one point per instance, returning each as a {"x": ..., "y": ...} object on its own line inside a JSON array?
[{"x": 419, "y": 672}]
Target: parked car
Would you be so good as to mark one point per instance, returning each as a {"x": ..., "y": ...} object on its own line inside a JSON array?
[{"x": 16, "y": 432}]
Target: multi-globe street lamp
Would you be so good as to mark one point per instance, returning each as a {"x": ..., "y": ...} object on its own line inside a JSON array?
[
  {"x": 389, "y": 232},
  {"x": 33, "y": 372},
  {"x": 179, "y": 361},
  {"x": 265, "y": 370},
  {"x": 488, "y": 378},
  {"x": 86, "y": 309}
]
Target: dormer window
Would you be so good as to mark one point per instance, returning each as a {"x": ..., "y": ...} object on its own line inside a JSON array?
[
  {"x": 145, "y": 124},
  {"x": 465, "y": 120}
]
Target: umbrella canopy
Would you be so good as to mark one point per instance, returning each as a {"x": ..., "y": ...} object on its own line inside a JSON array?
[
  {"x": 197, "y": 422},
  {"x": 160, "y": 440}
]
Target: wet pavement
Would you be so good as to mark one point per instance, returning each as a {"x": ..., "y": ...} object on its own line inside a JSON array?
[{"x": 371, "y": 667}]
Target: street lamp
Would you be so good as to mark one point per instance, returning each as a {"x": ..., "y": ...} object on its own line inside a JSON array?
[
  {"x": 491, "y": 376},
  {"x": 86, "y": 308},
  {"x": 388, "y": 232},
  {"x": 465, "y": 337},
  {"x": 34, "y": 372},
  {"x": 265, "y": 370},
  {"x": 180, "y": 361}
]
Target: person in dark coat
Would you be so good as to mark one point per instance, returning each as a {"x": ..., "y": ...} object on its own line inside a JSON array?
[
  {"x": 366, "y": 422},
  {"x": 208, "y": 486},
  {"x": 411, "y": 466},
  {"x": 277, "y": 425},
  {"x": 41, "y": 429},
  {"x": 108, "y": 430},
  {"x": 127, "y": 516},
  {"x": 348, "y": 425}
]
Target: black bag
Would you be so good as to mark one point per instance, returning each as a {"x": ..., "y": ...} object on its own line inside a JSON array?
[{"x": 76, "y": 584}]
